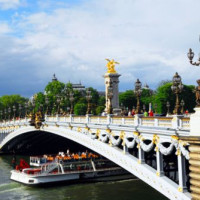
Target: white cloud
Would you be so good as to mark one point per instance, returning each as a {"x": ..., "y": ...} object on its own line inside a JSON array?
[
  {"x": 149, "y": 38},
  {"x": 9, "y": 4},
  {"x": 4, "y": 28}
]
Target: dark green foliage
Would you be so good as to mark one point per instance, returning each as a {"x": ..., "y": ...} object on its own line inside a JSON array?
[
  {"x": 80, "y": 109},
  {"x": 56, "y": 90},
  {"x": 99, "y": 110},
  {"x": 54, "y": 87},
  {"x": 101, "y": 101},
  {"x": 8, "y": 101},
  {"x": 127, "y": 99},
  {"x": 164, "y": 94},
  {"x": 146, "y": 97}
]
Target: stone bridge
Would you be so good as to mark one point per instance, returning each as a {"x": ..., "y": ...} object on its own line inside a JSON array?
[{"x": 158, "y": 150}]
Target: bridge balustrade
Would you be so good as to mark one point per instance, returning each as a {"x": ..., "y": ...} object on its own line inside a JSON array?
[{"x": 128, "y": 120}]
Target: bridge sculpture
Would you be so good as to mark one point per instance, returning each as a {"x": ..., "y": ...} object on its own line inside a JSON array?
[{"x": 141, "y": 145}]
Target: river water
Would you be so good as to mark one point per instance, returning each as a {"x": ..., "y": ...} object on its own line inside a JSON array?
[{"x": 118, "y": 190}]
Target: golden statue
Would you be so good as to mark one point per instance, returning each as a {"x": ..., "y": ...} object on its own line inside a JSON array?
[{"x": 111, "y": 66}]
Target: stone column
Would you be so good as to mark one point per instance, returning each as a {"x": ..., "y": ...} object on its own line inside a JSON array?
[
  {"x": 112, "y": 79},
  {"x": 194, "y": 122},
  {"x": 195, "y": 169}
]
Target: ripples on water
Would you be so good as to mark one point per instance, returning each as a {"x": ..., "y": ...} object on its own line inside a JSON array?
[{"x": 119, "y": 190}]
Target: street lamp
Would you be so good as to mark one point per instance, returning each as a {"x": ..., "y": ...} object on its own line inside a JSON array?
[
  {"x": 1, "y": 114},
  {"x": 26, "y": 108},
  {"x": 20, "y": 109},
  {"x": 110, "y": 96},
  {"x": 14, "y": 110},
  {"x": 47, "y": 104},
  {"x": 58, "y": 100},
  {"x": 177, "y": 88},
  {"x": 155, "y": 107},
  {"x": 190, "y": 55},
  {"x": 9, "y": 112},
  {"x": 197, "y": 89},
  {"x": 71, "y": 99},
  {"x": 182, "y": 106},
  {"x": 68, "y": 110},
  {"x": 168, "y": 106},
  {"x": 88, "y": 97},
  {"x": 144, "y": 107},
  {"x": 5, "y": 113},
  {"x": 138, "y": 92}
]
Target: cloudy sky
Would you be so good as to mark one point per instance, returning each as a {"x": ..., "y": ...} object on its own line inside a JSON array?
[{"x": 72, "y": 38}]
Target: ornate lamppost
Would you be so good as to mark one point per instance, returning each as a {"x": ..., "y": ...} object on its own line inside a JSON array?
[
  {"x": 71, "y": 99},
  {"x": 26, "y": 108},
  {"x": 5, "y": 113},
  {"x": 47, "y": 104},
  {"x": 144, "y": 107},
  {"x": 155, "y": 107},
  {"x": 1, "y": 115},
  {"x": 197, "y": 89},
  {"x": 168, "y": 106},
  {"x": 177, "y": 88},
  {"x": 182, "y": 106},
  {"x": 88, "y": 97},
  {"x": 58, "y": 100},
  {"x": 20, "y": 109},
  {"x": 68, "y": 110},
  {"x": 9, "y": 113},
  {"x": 33, "y": 105},
  {"x": 14, "y": 111},
  {"x": 138, "y": 92},
  {"x": 191, "y": 56},
  {"x": 110, "y": 96}
]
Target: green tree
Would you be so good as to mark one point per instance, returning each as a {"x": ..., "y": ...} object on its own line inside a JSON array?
[
  {"x": 127, "y": 99},
  {"x": 80, "y": 109},
  {"x": 146, "y": 97},
  {"x": 164, "y": 94},
  {"x": 40, "y": 101},
  {"x": 101, "y": 101},
  {"x": 54, "y": 88},
  {"x": 99, "y": 110},
  {"x": 8, "y": 101}
]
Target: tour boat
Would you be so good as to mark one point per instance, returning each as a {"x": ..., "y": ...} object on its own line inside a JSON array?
[{"x": 60, "y": 170}]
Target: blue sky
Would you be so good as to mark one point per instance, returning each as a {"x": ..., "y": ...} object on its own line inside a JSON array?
[{"x": 72, "y": 38}]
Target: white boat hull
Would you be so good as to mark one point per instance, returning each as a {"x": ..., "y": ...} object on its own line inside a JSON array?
[
  {"x": 36, "y": 180},
  {"x": 28, "y": 179}
]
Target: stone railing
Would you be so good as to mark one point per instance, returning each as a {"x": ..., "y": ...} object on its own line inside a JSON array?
[{"x": 176, "y": 122}]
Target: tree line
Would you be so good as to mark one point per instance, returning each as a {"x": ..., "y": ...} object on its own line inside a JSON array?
[{"x": 60, "y": 98}]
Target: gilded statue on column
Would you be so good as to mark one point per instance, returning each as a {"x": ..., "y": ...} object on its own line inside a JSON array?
[
  {"x": 197, "y": 93},
  {"x": 111, "y": 66}
]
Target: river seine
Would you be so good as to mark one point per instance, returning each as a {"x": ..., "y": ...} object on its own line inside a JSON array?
[{"x": 118, "y": 190}]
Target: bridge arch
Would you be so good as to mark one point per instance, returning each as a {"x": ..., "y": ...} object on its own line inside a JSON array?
[{"x": 115, "y": 154}]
